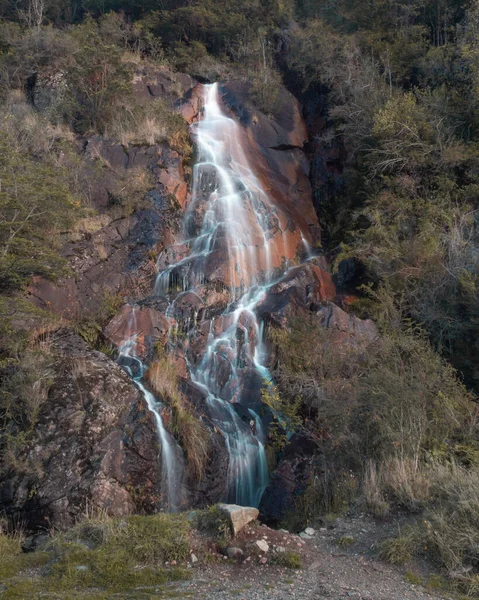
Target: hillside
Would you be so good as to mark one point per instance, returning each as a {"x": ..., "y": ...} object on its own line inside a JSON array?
[{"x": 238, "y": 263}]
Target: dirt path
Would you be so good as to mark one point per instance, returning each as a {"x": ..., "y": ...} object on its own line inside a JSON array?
[{"x": 329, "y": 572}]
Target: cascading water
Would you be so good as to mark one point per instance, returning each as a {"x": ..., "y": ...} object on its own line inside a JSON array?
[
  {"x": 172, "y": 461},
  {"x": 230, "y": 247},
  {"x": 236, "y": 243}
]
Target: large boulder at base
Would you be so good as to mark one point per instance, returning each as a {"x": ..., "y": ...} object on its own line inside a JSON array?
[
  {"x": 95, "y": 445},
  {"x": 239, "y": 516}
]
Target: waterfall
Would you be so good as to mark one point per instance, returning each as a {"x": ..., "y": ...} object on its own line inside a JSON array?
[
  {"x": 227, "y": 242},
  {"x": 172, "y": 460},
  {"x": 234, "y": 246}
]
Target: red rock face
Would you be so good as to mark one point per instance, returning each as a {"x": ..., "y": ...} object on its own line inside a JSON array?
[
  {"x": 147, "y": 325},
  {"x": 171, "y": 176},
  {"x": 303, "y": 289},
  {"x": 274, "y": 149}
]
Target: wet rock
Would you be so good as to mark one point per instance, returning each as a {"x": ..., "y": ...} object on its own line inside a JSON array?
[
  {"x": 289, "y": 480},
  {"x": 239, "y": 516},
  {"x": 274, "y": 144},
  {"x": 303, "y": 289},
  {"x": 149, "y": 325}
]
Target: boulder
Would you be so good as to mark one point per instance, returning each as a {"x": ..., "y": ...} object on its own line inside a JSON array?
[
  {"x": 95, "y": 445},
  {"x": 303, "y": 289},
  {"x": 239, "y": 516},
  {"x": 148, "y": 325}
]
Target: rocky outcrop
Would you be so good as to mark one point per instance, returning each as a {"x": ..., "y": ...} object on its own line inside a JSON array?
[
  {"x": 114, "y": 251},
  {"x": 238, "y": 516},
  {"x": 138, "y": 191},
  {"x": 275, "y": 147},
  {"x": 95, "y": 445},
  {"x": 149, "y": 326},
  {"x": 289, "y": 480}
]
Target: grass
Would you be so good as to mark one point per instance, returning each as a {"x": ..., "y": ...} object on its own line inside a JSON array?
[
  {"x": 288, "y": 559},
  {"x": 413, "y": 578},
  {"x": 191, "y": 432},
  {"x": 345, "y": 541},
  {"x": 213, "y": 522},
  {"x": 99, "y": 557},
  {"x": 398, "y": 550},
  {"x": 447, "y": 532},
  {"x": 149, "y": 124},
  {"x": 14, "y": 561}
]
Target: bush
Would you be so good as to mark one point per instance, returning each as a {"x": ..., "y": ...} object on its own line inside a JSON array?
[
  {"x": 288, "y": 559},
  {"x": 390, "y": 403},
  {"x": 213, "y": 522},
  {"x": 97, "y": 80},
  {"x": 25, "y": 383},
  {"x": 35, "y": 203}
]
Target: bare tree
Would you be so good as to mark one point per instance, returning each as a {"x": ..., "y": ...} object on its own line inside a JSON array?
[{"x": 34, "y": 13}]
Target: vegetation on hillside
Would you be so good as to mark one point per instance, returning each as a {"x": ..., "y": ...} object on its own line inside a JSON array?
[{"x": 399, "y": 86}]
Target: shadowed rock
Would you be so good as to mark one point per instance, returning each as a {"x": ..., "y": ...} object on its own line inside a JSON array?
[{"x": 95, "y": 445}]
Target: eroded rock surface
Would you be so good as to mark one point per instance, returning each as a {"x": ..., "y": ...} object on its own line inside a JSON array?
[{"x": 95, "y": 445}]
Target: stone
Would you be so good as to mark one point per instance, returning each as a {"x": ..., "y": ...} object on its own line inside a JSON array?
[
  {"x": 280, "y": 549},
  {"x": 95, "y": 441},
  {"x": 263, "y": 560},
  {"x": 239, "y": 516},
  {"x": 152, "y": 326},
  {"x": 304, "y": 536},
  {"x": 193, "y": 558},
  {"x": 234, "y": 552},
  {"x": 262, "y": 545},
  {"x": 309, "y": 531}
]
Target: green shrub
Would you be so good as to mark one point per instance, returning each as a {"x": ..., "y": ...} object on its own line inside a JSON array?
[
  {"x": 35, "y": 204},
  {"x": 288, "y": 559},
  {"x": 399, "y": 550},
  {"x": 213, "y": 522},
  {"x": 345, "y": 541}
]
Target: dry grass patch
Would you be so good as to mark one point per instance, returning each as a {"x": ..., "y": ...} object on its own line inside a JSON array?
[{"x": 192, "y": 433}]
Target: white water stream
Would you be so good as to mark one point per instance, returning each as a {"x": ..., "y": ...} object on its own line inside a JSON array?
[
  {"x": 230, "y": 245},
  {"x": 234, "y": 246},
  {"x": 172, "y": 460}
]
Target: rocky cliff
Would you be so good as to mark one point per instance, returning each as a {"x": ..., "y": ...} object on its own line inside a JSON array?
[{"x": 95, "y": 446}]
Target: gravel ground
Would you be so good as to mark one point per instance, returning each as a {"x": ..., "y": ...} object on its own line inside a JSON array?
[{"x": 329, "y": 572}]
